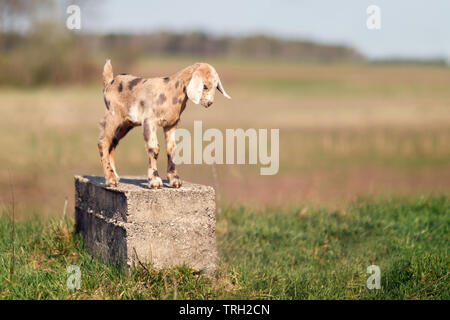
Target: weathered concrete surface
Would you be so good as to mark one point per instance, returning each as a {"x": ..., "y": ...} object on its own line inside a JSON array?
[{"x": 131, "y": 223}]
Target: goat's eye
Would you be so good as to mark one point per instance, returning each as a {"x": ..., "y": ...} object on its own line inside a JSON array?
[{"x": 205, "y": 87}]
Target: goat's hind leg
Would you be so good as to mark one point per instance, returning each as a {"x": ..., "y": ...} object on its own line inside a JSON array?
[
  {"x": 108, "y": 127},
  {"x": 120, "y": 132}
]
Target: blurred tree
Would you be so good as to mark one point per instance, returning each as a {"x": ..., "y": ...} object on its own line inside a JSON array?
[
  {"x": 37, "y": 48},
  {"x": 21, "y": 15}
]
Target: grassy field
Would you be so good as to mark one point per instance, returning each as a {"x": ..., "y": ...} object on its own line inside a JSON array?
[
  {"x": 364, "y": 179},
  {"x": 345, "y": 131},
  {"x": 290, "y": 253}
]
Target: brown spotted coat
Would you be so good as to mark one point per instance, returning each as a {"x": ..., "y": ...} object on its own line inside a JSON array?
[{"x": 151, "y": 103}]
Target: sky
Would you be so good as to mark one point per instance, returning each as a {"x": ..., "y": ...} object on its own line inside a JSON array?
[{"x": 409, "y": 28}]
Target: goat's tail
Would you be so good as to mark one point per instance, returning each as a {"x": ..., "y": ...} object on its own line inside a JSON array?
[{"x": 107, "y": 73}]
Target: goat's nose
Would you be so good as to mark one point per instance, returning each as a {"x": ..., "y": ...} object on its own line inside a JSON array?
[{"x": 209, "y": 103}]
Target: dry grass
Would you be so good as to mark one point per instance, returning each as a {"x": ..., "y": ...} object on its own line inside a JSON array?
[{"x": 345, "y": 131}]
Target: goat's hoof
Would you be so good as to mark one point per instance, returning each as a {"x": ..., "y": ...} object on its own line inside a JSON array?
[
  {"x": 155, "y": 183},
  {"x": 112, "y": 182},
  {"x": 175, "y": 182}
]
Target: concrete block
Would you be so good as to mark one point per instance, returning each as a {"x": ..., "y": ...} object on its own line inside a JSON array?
[{"x": 131, "y": 223}]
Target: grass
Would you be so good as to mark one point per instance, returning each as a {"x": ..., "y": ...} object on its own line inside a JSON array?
[
  {"x": 290, "y": 253},
  {"x": 317, "y": 254}
]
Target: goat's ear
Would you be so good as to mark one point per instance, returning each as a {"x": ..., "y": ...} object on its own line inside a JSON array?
[
  {"x": 221, "y": 89},
  {"x": 195, "y": 87}
]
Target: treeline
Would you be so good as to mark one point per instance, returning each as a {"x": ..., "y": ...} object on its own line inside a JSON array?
[
  {"x": 201, "y": 44},
  {"x": 51, "y": 55}
]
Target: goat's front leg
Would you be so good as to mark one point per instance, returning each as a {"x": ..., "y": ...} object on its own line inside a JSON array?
[
  {"x": 174, "y": 179},
  {"x": 152, "y": 146}
]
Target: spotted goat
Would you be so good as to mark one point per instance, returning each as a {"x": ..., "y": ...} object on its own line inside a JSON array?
[{"x": 151, "y": 103}]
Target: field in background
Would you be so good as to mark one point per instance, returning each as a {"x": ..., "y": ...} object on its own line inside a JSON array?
[
  {"x": 346, "y": 131},
  {"x": 351, "y": 138},
  {"x": 292, "y": 253}
]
